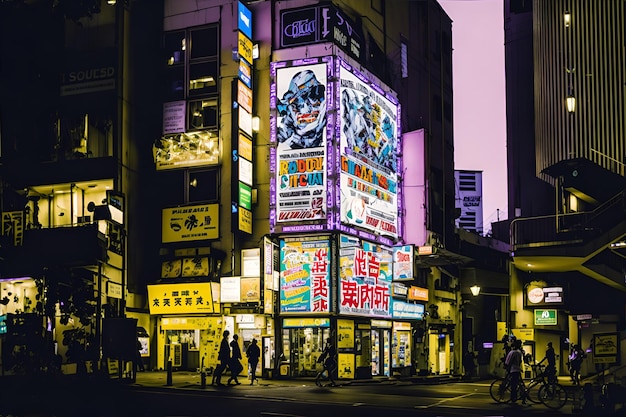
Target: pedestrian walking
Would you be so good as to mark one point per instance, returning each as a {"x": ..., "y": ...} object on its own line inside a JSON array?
[
  {"x": 223, "y": 356},
  {"x": 576, "y": 357},
  {"x": 329, "y": 363},
  {"x": 253, "y": 353},
  {"x": 469, "y": 363},
  {"x": 235, "y": 364},
  {"x": 513, "y": 362}
]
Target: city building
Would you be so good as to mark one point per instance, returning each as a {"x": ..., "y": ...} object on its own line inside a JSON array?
[
  {"x": 281, "y": 170},
  {"x": 469, "y": 200},
  {"x": 566, "y": 156}
]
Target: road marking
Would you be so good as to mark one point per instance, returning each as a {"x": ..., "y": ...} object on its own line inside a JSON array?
[{"x": 444, "y": 401}]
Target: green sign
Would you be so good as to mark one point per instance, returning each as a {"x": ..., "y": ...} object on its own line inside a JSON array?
[
  {"x": 545, "y": 317},
  {"x": 245, "y": 196}
]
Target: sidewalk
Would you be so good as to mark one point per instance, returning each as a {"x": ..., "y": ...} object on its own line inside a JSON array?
[{"x": 192, "y": 380}]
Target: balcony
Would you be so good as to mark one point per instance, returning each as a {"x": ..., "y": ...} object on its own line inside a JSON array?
[
  {"x": 61, "y": 246},
  {"x": 581, "y": 242}
]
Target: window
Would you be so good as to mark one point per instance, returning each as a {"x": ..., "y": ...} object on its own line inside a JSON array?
[
  {"x": 191, "y": 58},
  {"x": 203, "y": 186}
]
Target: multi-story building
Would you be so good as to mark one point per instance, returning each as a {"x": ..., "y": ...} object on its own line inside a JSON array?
[
  {"x": 71, "y": 179},
  {"x": 469, "y": 200},
  {"x": 566, "y": 154},
  {"x": 301, "y": 185}
]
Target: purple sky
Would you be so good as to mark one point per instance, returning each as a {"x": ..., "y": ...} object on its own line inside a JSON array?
[{"x": 479, "y": 98}]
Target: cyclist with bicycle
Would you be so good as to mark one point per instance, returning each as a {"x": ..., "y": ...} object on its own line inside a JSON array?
[
  {"x": 550, "y": 357},
  {"x": 513, "y": 363}
]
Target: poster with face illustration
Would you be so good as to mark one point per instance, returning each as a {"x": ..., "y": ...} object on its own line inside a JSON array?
[
  {"x": 301, "y": 143},
  {"x": 368, "y": 152}
]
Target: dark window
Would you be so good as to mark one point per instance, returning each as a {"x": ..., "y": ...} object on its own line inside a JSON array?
[{"x": 203, "y": 186}]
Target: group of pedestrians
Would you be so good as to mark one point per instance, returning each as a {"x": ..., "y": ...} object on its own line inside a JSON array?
[
  {"x": 514, "y": 364},
  {"x": 229, "y": 356}
]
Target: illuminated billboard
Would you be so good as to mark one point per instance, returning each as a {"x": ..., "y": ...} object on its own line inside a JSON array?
[
  {"x": 365, "y": 277},
  {"x": 305, "y": 276},
  {"x": 369, "y": 146},
  {"x": 334, "y": 157},
  {"x": 301, "y": 106}
]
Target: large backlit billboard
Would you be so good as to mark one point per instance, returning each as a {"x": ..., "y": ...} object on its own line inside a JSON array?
[
  {"x": 365, "y": 278},
  {"x": 369, "y": 148},
  {"x": 334, "y": 157},
  {"x": 301, "y": 106},
  {"x": 305, "y": 276}
]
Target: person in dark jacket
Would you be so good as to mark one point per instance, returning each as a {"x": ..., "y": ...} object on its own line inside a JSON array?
[
  {"x": 330, "y": 363},
  {"x": 253, "y": 353},
  {"x": 223, "y": 356},
  {"x": 235, "y": 364}
]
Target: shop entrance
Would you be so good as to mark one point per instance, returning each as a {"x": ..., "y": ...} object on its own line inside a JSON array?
[
  {"x": 301, "y": 349},
  {"x": 381, "y": 349},
  {"x": 439, "y": 353},
  {"x": 181, "y": 348}
]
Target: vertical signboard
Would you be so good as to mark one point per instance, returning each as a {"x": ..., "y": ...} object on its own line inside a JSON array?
[
  {"x": 301, "y": 143},
  {"x": 242, "y": 141}
]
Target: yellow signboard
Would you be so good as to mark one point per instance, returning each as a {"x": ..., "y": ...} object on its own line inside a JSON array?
[
  {"x": 345, "y": 334},
  {"x": 182, "y": 298},
  {"x": 245, "y": 48},
  {"x": 245, "y": 220},
  {"x": 182, "y": 224},
  {"x": 345, "y": 361}
]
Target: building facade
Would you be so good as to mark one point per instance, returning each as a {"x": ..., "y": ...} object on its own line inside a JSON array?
[
  {"x": 566, "y": 154},
  {"x": 255, "y": 155}
]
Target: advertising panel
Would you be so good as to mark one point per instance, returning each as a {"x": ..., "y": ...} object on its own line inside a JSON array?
[
  {"x": 305, "y": 276},
  {"x": 183, "y": 150},
  {"x": 180, "y": 298},
  {"x": 183, "y": 224},
  {"x": 403, "y": 263},
  {"x": 410, "y": 311},
  {"x": 365, "y": 278},
  {"x": 301, "y": 143},
  {"x": 307, "y": 25},
  {"x": 368, "y": 151}
]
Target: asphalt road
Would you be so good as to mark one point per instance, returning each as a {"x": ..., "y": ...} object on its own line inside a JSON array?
[{"x": 151, "y": 395}]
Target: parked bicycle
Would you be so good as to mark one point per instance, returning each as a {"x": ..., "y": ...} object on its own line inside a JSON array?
[{"x": 539, "y": 390}]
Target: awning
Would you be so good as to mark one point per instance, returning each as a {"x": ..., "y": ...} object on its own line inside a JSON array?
[{"x": 441, "y": 257}]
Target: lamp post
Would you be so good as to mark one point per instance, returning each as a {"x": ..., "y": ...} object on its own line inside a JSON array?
[{"x": 476, "y": 291}]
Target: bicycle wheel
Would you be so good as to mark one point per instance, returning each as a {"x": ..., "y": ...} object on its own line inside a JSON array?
[
  {"x": 553, "y": 396},
  {"x": 532, "y": 392},
  {"x": 500, "y": 390}
]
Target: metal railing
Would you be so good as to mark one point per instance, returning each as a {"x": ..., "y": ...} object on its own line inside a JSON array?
[{"x": 569, "y": 228}]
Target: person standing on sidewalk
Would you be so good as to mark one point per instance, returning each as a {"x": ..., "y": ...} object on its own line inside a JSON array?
[
  {"x": 223, "y": 356},
  {"x": 253, "y": 353},
  {"x": 235, "y": 365},
  {"x": 513, "y": 363}
]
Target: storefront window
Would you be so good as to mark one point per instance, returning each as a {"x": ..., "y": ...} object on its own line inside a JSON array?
[{"x": 301, "y": 349}]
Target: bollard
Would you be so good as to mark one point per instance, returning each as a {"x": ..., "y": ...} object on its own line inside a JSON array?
[
  {"x": 169, "y": 373},
  {"x": 202, "y": 375}
]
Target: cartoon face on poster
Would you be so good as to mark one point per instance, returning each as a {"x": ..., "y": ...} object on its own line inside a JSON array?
[
  {"x": 301, "y": 106},
  {"x": 368, "y": 152},
  {"x": 301, "y": 143}
]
